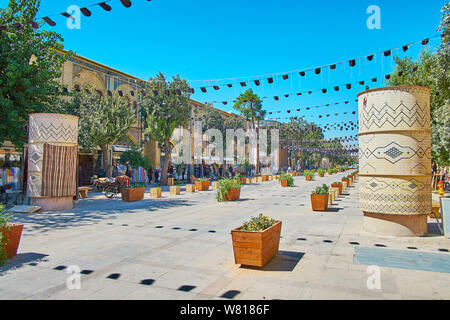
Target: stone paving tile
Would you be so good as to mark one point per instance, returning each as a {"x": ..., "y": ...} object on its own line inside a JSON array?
[{"x": 135, "y": 242}]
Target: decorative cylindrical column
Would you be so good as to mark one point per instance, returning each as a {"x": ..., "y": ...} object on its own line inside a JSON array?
[
  {"x": 395, "y": 159},
  {"x": 52, "y": 160}
]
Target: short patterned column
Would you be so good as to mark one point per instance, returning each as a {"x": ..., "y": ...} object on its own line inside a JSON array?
[{"x": 395, "y": 159}]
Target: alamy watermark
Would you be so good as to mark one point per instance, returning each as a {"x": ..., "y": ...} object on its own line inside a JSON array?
[{"x": 374, "y": 20}]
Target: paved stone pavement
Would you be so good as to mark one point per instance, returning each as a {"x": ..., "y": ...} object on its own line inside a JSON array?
[{"x": 179, "y": 247}]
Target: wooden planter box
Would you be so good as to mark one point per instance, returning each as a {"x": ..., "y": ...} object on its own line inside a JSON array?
[
  {"x": 338, "y": 186},
  {"x": 308, "y": 178},
  {"x": 259, "y": 179},
  {"x": 256, "y": 248},
  {"x": 132, "y": 194},
  {"x": 155, "y": 193},
  {"x": 265, "y": 178},
  {"x": 319, "y": 202},
  {"x": 243, "y": 180},
  {"x": 202, "y": 185},
  {"x": 13, "y": 235},
  {"x": 175, "y": 190},
  {"x": 190, "y": 188},
  {"x": 170, "y": 181},
  {"x": 254, "y": 180},
  {"x": 233, "y": 194},
  {"x": 248, "y": 181},
  {"x": 284, "y": 182}
]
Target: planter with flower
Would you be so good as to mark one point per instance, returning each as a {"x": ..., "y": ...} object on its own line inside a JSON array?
[
  {"x": 256, "y": 241},
  {"x": 308, "y": 175},
  {"x": 10, "y": 234},
  {"x": 338, "y": 185},
  {"x": 286, "y": 180},
  {"x": 241, "y": 178},
  {"x": 133, "y": 192},
  {"x": 321, "y": 172},
  {"x": 202, "y": 184},
  {"x": 319, "y": 198},
  {"x": 228, "y": 189},
  {"x": 330, "y": 171}
]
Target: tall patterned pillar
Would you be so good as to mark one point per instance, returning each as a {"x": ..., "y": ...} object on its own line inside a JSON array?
[
  {"x": 52, "y": 160},
  {"x": 395, "y": 159}
]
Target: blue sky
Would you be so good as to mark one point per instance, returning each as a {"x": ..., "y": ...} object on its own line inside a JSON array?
[{"x": 215, "y": 39}]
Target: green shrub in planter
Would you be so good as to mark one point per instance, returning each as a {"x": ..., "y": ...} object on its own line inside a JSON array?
[
  {"x": 4, "y": 219},
  {"x": 288, "y": 177},
  {"x": 258, "y": 223},
  {"x": 225, "y": 185},
  {"x": 308, "y": 173},
  {"x": 135, "y": 185},
  {"x": 202, "y": 180},
  {"x": 321, "y": 189},
  {"x": 321, "y": 171}
]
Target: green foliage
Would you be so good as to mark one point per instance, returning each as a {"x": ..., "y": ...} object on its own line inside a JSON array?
[
  {"x": 321, "y": 171},
  {"x": 321, "y": 189},
  {"x": 202, "y": 180},
  {"x": 30, "y": 65},
  {"x": 257, "y": 224},
  {"x": 308, "y": 173},
  {"x": 136, "y": 158},
  {"x": 224, "y": 187},
  {"x": 288, "y": 177},
  {"x": 103, "y": 119},
  {"x": 433, "y": 72},
  {"x": 4, "y": 219},
  {"x": 135, "y": 185},
  {"x": 337, "y": 182},
  {"x": 250, "y": 106},
  {"x": 164, "y": 107}
]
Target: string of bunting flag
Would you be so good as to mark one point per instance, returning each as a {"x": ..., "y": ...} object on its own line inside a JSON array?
[
  {"x": 257, "y": 80},
  {"x": 105, "y": 5},
  {"x": 325, "y": 90}
]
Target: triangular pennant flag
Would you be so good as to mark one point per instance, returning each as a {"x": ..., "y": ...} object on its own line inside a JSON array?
[
  {"x": 361, "y": 82},
  {"x": 425, "y": 42},
  {"x": 348, "y": 85},
  {"x": 216, "y": 87},
  {"x": 224, "y": 102},
  {"x": 374, "y": 79},
  {"x": 191, "y": 90},
  {"x": 302, "y": 73},
  {"x": 387, "y": 53},
  {"x": 257, "y": 82},
  {"x": 405, "y": 48},
  {"x": 299, "y": 93},
  {"x": 288, "y": 111},
  {"x": 86, "y": 12},
  {"x": 309, "y": 92},
  {"x": 333, "y": 66},
  {"x": 285, "y": 77},
  {"x": 49, "y": 21},
  {"x": 298, "y": 109},
  {"x": 270, "y": 80},
  {"x": 336, "y": 88},
  {"x": 400, "y": 73},
  {"x": 388, "y": 76},
  {"x": 324, "y": 90},
  {"x": 286, "y": 95},
  {"x": 317, "y": 71},
  {"x": 352, "y": 63},
  {"x": 229, "y": 85},
  {"x": 105, "y": 6},
  {"x": 276, "y": 98},
  {"x": 370, "y": 57},
  {"x": 65, "y": 14},
  {"x": 243, "y": 84},
  {"x": 203, "y": 89},
  {"x": 126, "y": 3}
]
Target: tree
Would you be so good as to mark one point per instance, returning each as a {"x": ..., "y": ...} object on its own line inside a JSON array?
[
  {"x": 250, "y": 106},
  {"x": 30, "y": 65},
  {"x": 103, "y": 120},
  {"x": 136, "y": 158},
  {"x": 165, "y": 106}
]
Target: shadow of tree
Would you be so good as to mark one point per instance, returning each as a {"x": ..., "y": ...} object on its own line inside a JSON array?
[{"x": 91, "y": 211}]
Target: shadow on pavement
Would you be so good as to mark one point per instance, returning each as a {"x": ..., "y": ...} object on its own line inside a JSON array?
[
  {"x": 284, "y": 261},
  {"x": 21, "y": 259}
]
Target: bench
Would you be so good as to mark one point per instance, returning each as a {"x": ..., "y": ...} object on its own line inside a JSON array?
[{"x": 84, "y": 191}]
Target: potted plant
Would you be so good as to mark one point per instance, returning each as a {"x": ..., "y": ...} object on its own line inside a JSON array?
[
  {"x": 338, "y": 185},
  {"x": 321, "y": 172},
  {"x": 308, "y": 175},
  {"x": 241, "y": 178},
  {"x": 286, "y": 179},
  {"x": 228, "y": 189},
  {"x": 256, "y": 241},
  {"x": 345, "y": 179},
  {"x": 330, "y": 171},
  {"x": 319, "y": 198},
  {"x": 133, "y": 192},
  {"x": 202, "y": 184},
  {"x": 10, "y": 234}
]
